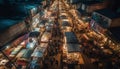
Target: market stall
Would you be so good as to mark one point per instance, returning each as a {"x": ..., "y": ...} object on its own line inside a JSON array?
[
  {"x": 49, "y": 28},
  {"x": 19, "y": 40},
  {"x": 31, "y": 44},
  {"x": 15, "y": 51},
  {"x": 44, "y": 45},
  {"x": 45, "y": 37},
  {"x": 21, "y": 53},
  {"x": 24, "y": 43},
  {"x": 37, "y": 54},
  {"x": 22, "y": 40},
  {"x": 36, "y": 30},
  {"x": 71, "y": 54},
  {"x": 34, "y": 34},
  {"x": 26, "y": 56},
  {"x": 45, "y": 48},
  {"x": 35, "y": 20}
]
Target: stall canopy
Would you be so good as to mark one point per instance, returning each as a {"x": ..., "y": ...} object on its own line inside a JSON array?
[
  {"x": 45, "y": 37},
  {"x": 20, "y": 39},
  {"x": 38, "y": 54},
  {"x": 73, "y": 48},
  {"x": 44, "y": 45},
  {"x": 34, "y": 65},
  {"x": 27, "y": 54},
  {"x": 15, "y": 51},
  {"x": 30, "y": 45},
  {"x": 21, "y": 53},
  {"x": 40, "y": 49},
  {"x": 71, "y": 37},
  {"x": 36, "y": 29}
]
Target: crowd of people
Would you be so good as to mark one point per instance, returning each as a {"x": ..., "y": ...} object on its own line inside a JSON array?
[{"x": 51, "y": 61}]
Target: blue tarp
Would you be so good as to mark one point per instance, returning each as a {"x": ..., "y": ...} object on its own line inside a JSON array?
[
  {"x": 73, "y": 47},
  {"x": 71, "y": 37}
]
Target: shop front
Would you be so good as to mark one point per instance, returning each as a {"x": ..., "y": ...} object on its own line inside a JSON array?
[
  {"x": 15, "y": 52},
  {"x": 45, "y": 37},
  {"x": 19, "y": 41},
  {"x": 35, "y": 21},
  {"x": 72, "y": 56}
]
